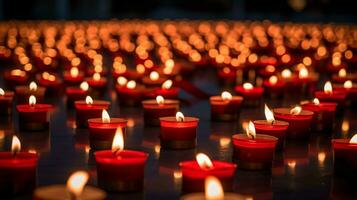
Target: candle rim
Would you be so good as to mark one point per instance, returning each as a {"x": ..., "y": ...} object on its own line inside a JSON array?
[
  {"x": 276, "y": 122},
  {"x": 260, "y": 138},
  {"x": 217, "y": 165},
  {"x": 38, "y": 108},
  {"x": 286, "y": 111},
  {"x": 62, "y": 189}
]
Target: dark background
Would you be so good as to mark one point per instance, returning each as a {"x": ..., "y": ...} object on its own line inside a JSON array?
[{"x": 275, "y": 10}]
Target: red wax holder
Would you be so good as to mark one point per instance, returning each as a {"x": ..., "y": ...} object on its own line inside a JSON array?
[
  {"x": 193, "y": 176},
  {"x": 97, "y": 84},
  {"x": 344, "y": 156},
  {"x": 101, "y": 133},
  {"x": 23, "y": 93},
  {"x": 120, "y": 172},
  {"x": 6, "y": 101},
  {"x": 251, "y": 96},
  {"x": 299, "y": 125},
  {"x": 15, "y": 80},
  {"x": 170, "y": 93},
  {"x": 225, "y": 110},
  {"x": 52, "y": 86},
  {"x": 153, "y": 110},
  {"x": 17, "y": 173},
  {"x": 34, "y": 117},
  {"x": 75, "y": 94},
  {"x": 86, "y": 111},
  {"x": 274, "y": 89},
  {"x": 254, "y": 154},
  {"x": 73, "y": 80},
  {"x": 276, "y": 128},
  {"x": 338, "y": 97},
  {"x": 351, "y": 92},
  {"x": 153, "y": 83},
  {"x": 324, "y": 115},
  {"x": 130, "y": 96},
  {"x": 178, "y": 134}
]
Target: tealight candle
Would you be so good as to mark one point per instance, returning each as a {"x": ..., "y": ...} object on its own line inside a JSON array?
[
  {"x": 274, "y": 86},
  {"x": 270, "y": 126},
  {"x": 349, "y": 88},
  {"x": 194, "y": 173},
  {"x": 75, "y": 189},
  {"x": 89, "y": 109},
  {"x": 345, "y": 151},
  {"x": 97, "y": 82},
  {"x": 306, "y": 81},
  {"x": 77, "y": 93},
  {"x": 131, "y": 94},
  {"x": 74, "y": 77},
  {"x": 6, "y": 101},
  {"x": 268, "y": 71},
  {"x": 178, "y": 132},
  {"x": 299, "y": 121},
  {"x": 154, "y": 80},
  {"x": 50, "y": 82},
  {"x": 120, "y": 170},
  {"x": 17, "y": 170},
  {"x": 328, "y": 95},
  {"x": 102, "y": 130},
  {"x": 225, "y": 107},
  {"x": 254, "y": 151},
  {"x": 167, "y": 90},
  {"x": 227, "y": 75},
  {"x": 324, "y": 114},
  {"x": 24, "y": 92},
  {"x": 15, "y": 77},
  {"x": 251, "y": 94},
  {"x": 213, "y": 191},
  {"x": 159, "y": 107},
  {"x": 33, "y": 116}
]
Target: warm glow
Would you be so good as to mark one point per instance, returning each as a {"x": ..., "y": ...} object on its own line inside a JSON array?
[
  {"x": 296, "y": 110},
  {"x": 154, "y": 76},
  {"x": 354, "y": 139},
  {"x": 2, "y": 92},
  {"x": 89, "y": 100},
  {"x": 226, "y": 96},
  {"x": 328, "y": 87},
  {"x": 180, "y": 117},
  {"x": 169, "y": 63},
  {"x": 48, "y": 76},
  {"x": 32, "y": 100},
  {"x": 273, "y": 80},
  {"x": 342, "y": 73},
  {"x": 316, "y": 101},
  {"x": 17, "y": 72},
  {"x": 84, "y": 86},
  {"x": 247, "y": 86},
  {"x": 140, "y": 68},
  {"x": 160, "y": 100},
  {"x": 122, "y": 80},
  {"x": 204, "y": 161},
  {"x": 167, "y": 84},
  {"x": 96, "y": 76},
  {"x": 347, "y": 84},
  {"x": 33, "y": 86},
  {"x": 303, "y": 73},
  {"x": 213, "y": 189},
  {"x": 76, "y": 182},
  {"x": 269, "y": 114},
  {"x": 131, "y": 84},
  {"x": 250, "y": 130},
  {"x": 15, "y": 144},
  {"x": 105, "y": 116},
  {"x": 270, "y": 68},
  {"x": 286, "y": 73},
  {"x": 75, "y": 62},
  {"x": 118, "y": 140}
]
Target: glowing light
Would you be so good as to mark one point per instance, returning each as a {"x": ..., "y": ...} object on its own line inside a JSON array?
[
  {"x": 169, "y": 63},
  {"x": 160, "y": 100},
  {"x": 204, "y": 161},
  {"x": 328, "y": 87},
  {"x": 2, "y": 92},
  {"x": 247, "y": 86},
  {"x": 17, "y": 72},
  {"x": 84, "y": 86},
  {"x": 213, "y": 189},
  {"x": 74, "y": 72},
  {"x": 167, "y": 84},
  {"x": 296, "y": 110},
  {"x": 96, "y": 76},
  {"x": 286, "y": 73},
  {"x": 105, "y": 116},
  {"x": 89, "y": 100},
  {"x": 118, "y": 141},
  {"x": 268, "y": 114},
  {"x": 131, "y": 84},
  {"x": 273, "y": 80},
  {"x": 316, "y": 101},
  {"x": 303, "y": 73},
  {"x": 15, "y": 145},
  {"x": 250, "y": 130},
  {"x": 180, "y": 117},
  {"x": 76, "y": 182},
  {"x": 122, "y": 80},
  {"x": 154, "y": 76},
  {"x": 347, "y": 84},
  {"x": 226, "y": 96},
  {"x": 342, "y": 72},
  {"x": 354, "y": 139},
  {"x": 32, "y": 100},
  {"x": 33, "y": 86}
]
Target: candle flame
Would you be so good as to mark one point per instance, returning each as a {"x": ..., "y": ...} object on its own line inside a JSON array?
[
  {"x": 48, "y": 76},
  {"x": 286, "y": 73},
  {"x": 118, "y": 140},
  {"x": 328, "y": 87},
  {"x": 122, "y": 80},
  {"x": 160, "y": 100},
  {"x": 84, "y": 86},
  {"x": 33, "y": 86},
  {"x": 169, "y": 63},
  {"x": 75, "y": 62},
  {"x": 250, "y": 130},
  {"x": 213, "y": 189},
  {"x": 247, "y": 86},
  {"x": 140, "y": 68},
  {"x": 342, "y": 73},
  {"x": 167, "y": 84},
  {"x": 76, "y": 183},
  {"x": 268, "y": 114},
  {"x": 273, "y": 80},
  {"x": 354, "y": 139},
  {"x": 2, "y": 92},
  {"x": 347, "y": 84},
  {"x": 105, "y": 116},
  {"x": 204, "y": 161},
  {"x": 17, "y": 72},
  {"x": 296, "y": 110},
  {"x": 15, "y": 144},
  {"x": 226, "y": 96},
  {"x": 180, "y": 117},
  {"x": 96, "y": 76},
  {"x": 154, "y": 76},
  {"x": 74, "y": 71},
  {"x": 32, "y": 100},
  {"x": 131, "y": 84},
  {"x": 270, "y": 68},
  {"x": 303, "y": 73},
  {"x": 316, "y": 101},
  {"x": 89, "y": 100}
]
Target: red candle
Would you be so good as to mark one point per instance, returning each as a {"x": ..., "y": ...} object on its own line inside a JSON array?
[
  {"x": 328, "y": 95},
  {"x": 178, "y": 132},
  {"x": 102, "y": 130},
  {"x": 345, "y": 151},
  {"x": 97, "y": 82},
  {"x": 342, "y": 76},
  {"x": 131, "y": 94},
  {"x": 324, "y": 114},
  {"x": 15, "y": 77},
  {"x": 268, "y": 71},
  {"x": 50, "y": 81},
  {"x": 272, "y": 127},
  {"x": 73, "y": 77},
  {"x": 6, "y": 99},
  {"x": 154, "y": 80},
  {"x": 227, "y": 75},
  {"x": 167, "y": 91},
  {"x": 299, "y": 121},
  {"x": 120, "y": 170},
  {"x": 77, "y": 93},
  {"x": 349, "y": 88},
  {"x": 32, "y": 116},
  {"x": 196, "y": 171},
  {"x": 254, "y": 151},
  {"x": 17, "y": 170},
  {"x": 24, "y": 92},
  {"x": 306, "y": 81},
  {"x": 171, "y": 69},
  {"x": 274, "y": 87},
  {"x": 225, "y": 107},
  {"x": 251, "y": 95},
  {"x": 160, "y": 107},
  {"x": 89, "y": 109}
]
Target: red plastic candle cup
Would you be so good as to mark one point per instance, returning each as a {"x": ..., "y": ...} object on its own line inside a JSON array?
[
  {"x": 324, "y": 114},
  {"x": 120, "y": 170},
  {"x": 24, "y": 92},
  {"x": 225, "y": 107},
  {"x": 342, "y": 76},
  {"x": 17, "y": 170},
  {"x": 153, "y": 80},
  {"x": 97, "y": 82},
  {"x": 349, "y": 88},
  {"x": 154, "y": 109},
  {"x": 196, "y": 171},
  {"x": 75, "y": 94},
  {"x": 50, "y": 82},
  {"x": 252, "y": 95},
  {"x": 15, "y": 77},
  {"x": 89, "y": 109},
  {"x": 328, "y": 95},
  {"x": 178, "y": 132},
  {"x": 344, "y": 152},
  {"x": 274, "y": 87},
  {"x": 33, "y": 116},
  {"x": 255, "y": 153},
  {"x": 73, "y": 77},
  {"x": 299, "y": 121},
  {"x": 6, "y": 101},
  {"x": 102, "y": 131},
  {"x": 131, "y": 94},
  {"x": 167, "y": 91}
]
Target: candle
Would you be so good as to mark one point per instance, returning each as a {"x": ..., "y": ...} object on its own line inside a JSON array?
[
  {"x": 349, "y": 88},
  {"x": 159, "y": 107},
  {"x": 74, "y": 77},
  {"x": 88, "y": 109},
  {"x": 328, "y": 95},
  {"x": 75, "y": 189},
  {"x": 24, "y": 92},
  {"x": 131, "y": 94},
  {"x": 120, "y": 170},
  {"x": 225, "y": 107},
  {"x": 299, "y": 121},
  {"x": 154, "y": 80},
  {"x": 254, "y": 151},
  {"x": 170, "y": 69},
  {"x": 306, "y": 81},
  {"x": 268, "y": 71},
  {"x": 213, "y": 191},
  {"x": 17, "y": 170},
  {"x": 227, "y": 75},
  {"x": 77, "y": 93},
  {"x": 178, "y": 132},
  {"x": 15, "y": 77},
  {"x": 194, "y": 173},
  {"x": 270, "y": 126},
  {"x": 167, "y": 91},
  {"x": 50, "y": 81},
  {"x": 251, "y": 94},
  {"x": 33, "y": 116},
  {"x": 274, "y": 87},
  {"x": 344, "y": 151},
  {"x": 324, "y": 114},
  {"x": 102, "y": 130},
  {"x": 6, "y": 100}
]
